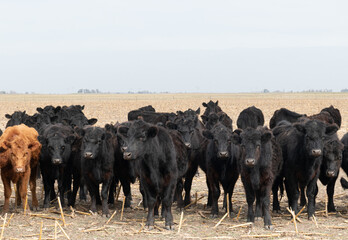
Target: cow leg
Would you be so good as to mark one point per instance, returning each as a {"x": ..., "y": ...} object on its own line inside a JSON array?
[
  {"x": 156, "y": 207},
  {"x": 76, "y": 186},
  {"x": 48, "y": 187},
  {"x": 93, "y": 189},
  {"x": 210, "y": 197},
  {"x": 250, "y": 197},
  {"x": 61, "y": 189},
  {"x": 258, "y": 208},
  {"x": 104, "y": 195},
  {"x": 127, "y": 192},
  {"x": 275, "y": 187},
  {"x": 188, "y": 183},
  {"x": 215, "y": 194},
  {"x": 291, "y": 186},
  {"x": 303, "y": 200},
  {"x": 143, "y": 193},
  {"x": 151, "y": 201},
  {"x": 23, "y": 188},
  {"x": 330, "y": 189},
  {"x": 312, "y": 190},
  {"x": 18, "y": 196},
  {"x": 112, "y": 191},
  {"x": 178, "y": 194},
  {"x": 32, "y": 184},
  {"x": 167, "y": 207},
  {"x": 8, "y": 191},
  {"x": 265, "y": 202}
]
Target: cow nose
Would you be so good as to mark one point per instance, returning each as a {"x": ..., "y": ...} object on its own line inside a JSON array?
[
  {"x": 223, "y": 154},
  {"x": 20, "y": 169},
  {"x": 127, "y": 155},
  {"x": 330, "y": 173},
  {"x": 57, "y": 161},
  {"x": 250, "y": 161},
  {"x": 188, "y": 145},
  {"x": 316, "y": 152},
  {"x": 88, "y": 155},
  {"x": 123, "y": 149}
]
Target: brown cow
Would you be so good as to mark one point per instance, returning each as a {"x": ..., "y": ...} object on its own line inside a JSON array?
[{"x": 19, "y": 156}]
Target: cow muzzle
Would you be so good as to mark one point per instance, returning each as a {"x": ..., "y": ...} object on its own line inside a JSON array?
[
  {"x": 57, "y": 161},
  {"x": 330, "y": 173},
  {"x": 88, "y": 155},
  {"x": 127, "y": 155},
  {"x": 223, "y": 154},
  {"x": 188, "y": 145},
  {"x": 316, "y": 152},
  {"x": 123, "y": 149},
  {"x": 20, "y": 169},
  {"x": 250, "y": 162}
]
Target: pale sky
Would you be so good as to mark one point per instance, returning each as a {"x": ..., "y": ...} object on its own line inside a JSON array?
[{"x": 175, "y": 46}]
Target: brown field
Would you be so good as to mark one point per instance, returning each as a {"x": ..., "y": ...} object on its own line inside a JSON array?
[{"x": 196, "y": 222}]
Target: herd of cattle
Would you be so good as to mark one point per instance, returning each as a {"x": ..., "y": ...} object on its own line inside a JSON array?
[{"x": 164, "y": 151}]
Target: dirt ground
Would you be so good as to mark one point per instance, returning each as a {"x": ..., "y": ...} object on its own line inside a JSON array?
[{"x": 196, "y": 223}]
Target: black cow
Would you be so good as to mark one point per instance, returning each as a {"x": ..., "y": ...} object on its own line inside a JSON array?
[
  {"x": 57, "y": 154},
  {"x": 97, "y": 163},
  {"x": 221, "y": 165},
  {"x": 334, "y": 113},
  {"x": 191, "y": 130},
  {"x": 302, "y": 148},
  {"x": 134, "y": 114},
  {"x": 344, "y": 166},
  {"x": 16, "y": 118},
  {"x": 154, "y": 153},
  {"x": 250, "y": 117},
  {"x": 284, "y": 114},
  {"x": 211, "y": 107},
  {"x": 260, "y": 163},
  {"x": 123, "y": 170}
]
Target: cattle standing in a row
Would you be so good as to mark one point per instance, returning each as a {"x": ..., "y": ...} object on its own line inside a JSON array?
[{"x": 19, "y": 156}]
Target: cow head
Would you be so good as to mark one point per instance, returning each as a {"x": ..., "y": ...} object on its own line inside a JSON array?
[
  {"x": 211, "y": 107},
  {"x": 93, "y": 138},
  {"x": 16, "y": 118},
  {"x": 252, "y": 142},
  {"x": 314, "y": 132},
  {"x": 332, "y": 157},
  {"x": 137, "y": 134},
  {"x": 221, "y": 137},
  {"x": 19, "y": 152}
]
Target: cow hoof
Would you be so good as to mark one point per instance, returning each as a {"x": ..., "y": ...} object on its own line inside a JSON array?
[
  {"x": 106, "y": 215},
  {"x": 257, "y": 219},
  {"x": 35, "y": 209},
  {"x": 269, "y": 227},
  {"x": 169, "y": 227},
  {"x": 214, "y": 215},
  {"x": 149, "y": 227},
  {"x": 331, "y": 209}
]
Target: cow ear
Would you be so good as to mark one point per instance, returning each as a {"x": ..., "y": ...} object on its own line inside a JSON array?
[
  {"x": 266, "y": 137},
  {"x": 208, "y": 134},
  {"x": 57, "y": 109},
  {"x": 198, "y": 111},
  {"x": 40, "y": 110},
  {"x": 300, "y": 128},
  {"x": 331, "y": 129},
  {"x": 217, "y": 101},
  {"x": 204, "y": 104},
  {"x": 4, "y": 146},
  {"x": 179, "y": 112},
  {"x": 8, "y": 116},
  {"x": 80, "y": 131},
  {"x": 204, "y": 118},
  {"x": 82, "y": 107},
  {"x": 236, "y": 139},
  {"x": 152, "y": 132},
  {"x": 70, "y": 139},
  {"x": 42, "y": 139},
  {"x": 122, "y": 130},
  {"x": 92, "y": 121},
  {"x": 171, "y": 125}
]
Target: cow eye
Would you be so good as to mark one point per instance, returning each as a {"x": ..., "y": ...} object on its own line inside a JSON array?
[
  {"x": 99, "y": 141},
  {"x": 63, "y": 147},
  {"x": 142, "y": 139}
]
